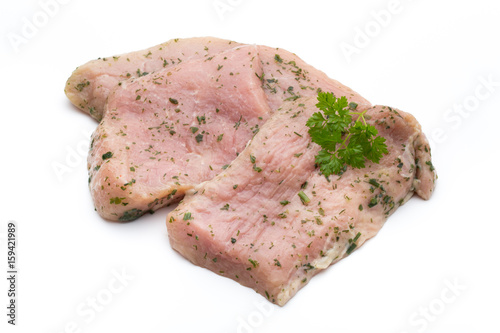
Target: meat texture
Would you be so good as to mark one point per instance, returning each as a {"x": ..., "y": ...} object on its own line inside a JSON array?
[
  {"x": 167, "y": 131},
  {"x": 271, "y": 221},
  {"x": 90, "y": 84}
]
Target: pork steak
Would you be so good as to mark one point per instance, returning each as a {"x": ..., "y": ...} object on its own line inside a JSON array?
[
  {"x": 90, "y": 84},
  {"x": 271, "y": 222}
]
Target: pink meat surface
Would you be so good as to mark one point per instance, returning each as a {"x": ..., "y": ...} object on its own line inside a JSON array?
[
  {"x": 168, "y": 131},
  {"x": 90, "y": 84},
  {"x": 148, "y": 151},
  {"x": 250, "y": 224}
]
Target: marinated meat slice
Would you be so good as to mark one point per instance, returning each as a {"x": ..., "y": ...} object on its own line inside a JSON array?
[
  {"x": 271, "y": 222},
  {"x": 286, "y": 76},
  {"x": 90, "y": 84},
  {"x": 227, "y": 96},
  {"x": 168, "y": 131}
]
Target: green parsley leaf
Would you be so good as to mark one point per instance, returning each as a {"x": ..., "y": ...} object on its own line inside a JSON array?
[{"x": 343, "y": 142}]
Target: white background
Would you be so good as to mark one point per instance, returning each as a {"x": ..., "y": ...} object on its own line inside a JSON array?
[{"x": 431, "y": 57}]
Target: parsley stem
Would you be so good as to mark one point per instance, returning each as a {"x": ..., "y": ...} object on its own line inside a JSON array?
[
  {"x": 362, "y": 116},
  {"x": 345, "y": 140}
]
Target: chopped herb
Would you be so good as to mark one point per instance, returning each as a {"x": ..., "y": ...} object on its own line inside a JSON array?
[
  {"x": 304, "y": 198},
  {"x": 173, "y": 100},
  {"x": 351, "y": 248},
  {"x": 108, "y": 155},
  {"x": 187, "y": 216},
  {"x": 199, "y": 138},
  {"x": 238, "y": 123},
  {"x": 225, "y": 207},
  {"x": 429, "y": 163},
  {"x": 130, "y": 215},
  {"x": 353, "y": 244},
  {"x": 253, "y": 262},
  {"x": 171, "y": 194},
  {"x": 201, "y": 119},
  {"x": 139, "y": 74},
  {"x": 233, "y": 240},
  {"x": 308, "y": 266},
  {"x": 373, "y": 202},
  {"x": 284, "y": 202},
  {"x": 219, "y": 138},
  {"x": 374, "y": 183},
  {"x": 256, "y": 168},
  {"x": 116, "y": 200},
  {"x": 82, "y": 85}
]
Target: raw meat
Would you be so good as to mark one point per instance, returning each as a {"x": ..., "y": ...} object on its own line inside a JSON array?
[
  {"x": 90, "y": 84},
  {"x": 250, "y": 223},
  {"x": 168, "y": 131},
  {"x": 225, "y": 97}
]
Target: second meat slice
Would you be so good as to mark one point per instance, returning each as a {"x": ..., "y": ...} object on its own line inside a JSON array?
[{"x": 271, "y": 221}]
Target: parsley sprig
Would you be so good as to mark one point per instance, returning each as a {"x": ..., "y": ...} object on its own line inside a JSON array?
[{"x": 343, "y": 141}]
